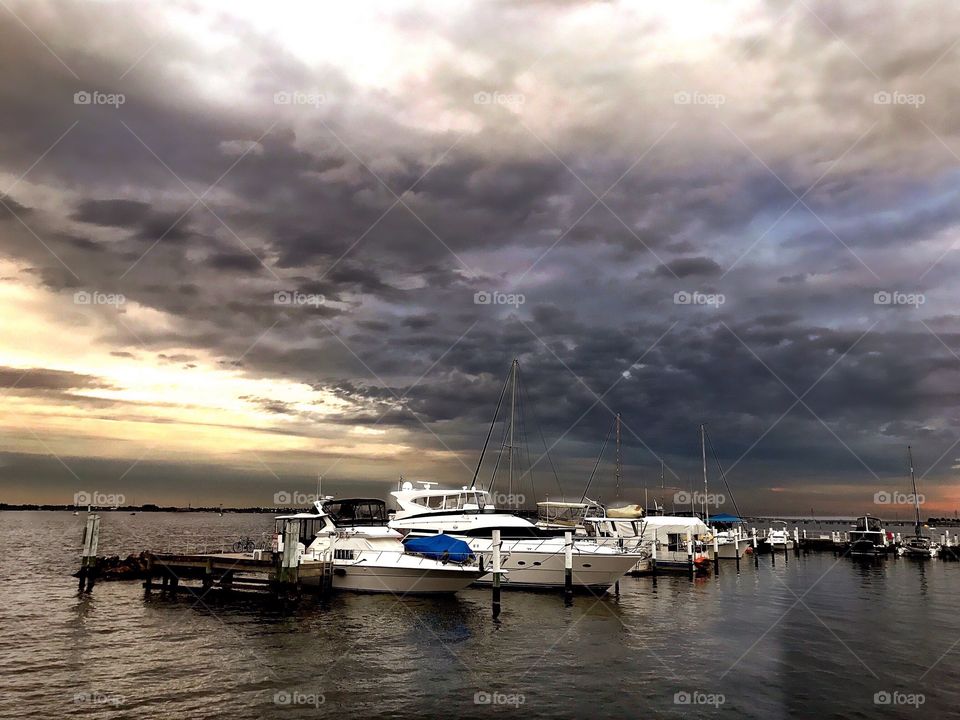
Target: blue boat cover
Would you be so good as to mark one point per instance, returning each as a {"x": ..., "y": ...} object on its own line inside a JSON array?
[
  {"x": 440, "y": 547},
  {"x": 725, "y": 518}
]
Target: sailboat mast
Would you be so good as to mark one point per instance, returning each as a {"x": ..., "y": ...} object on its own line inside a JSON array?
[
  {"x": 703, "y": 450},
  {"x": 513, "y": 405},
  {"x": 618, "y": 456},
  {"x": 916, "y": 497}
]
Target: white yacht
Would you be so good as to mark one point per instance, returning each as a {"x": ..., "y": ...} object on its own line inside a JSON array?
[
  {"x": 667, "y": 533},
  {"x": 533, "y": 557},
  {"x": 370, "y": 557}
]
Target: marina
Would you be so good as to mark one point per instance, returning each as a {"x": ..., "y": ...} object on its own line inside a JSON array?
[{"x": 742, "y": 630}]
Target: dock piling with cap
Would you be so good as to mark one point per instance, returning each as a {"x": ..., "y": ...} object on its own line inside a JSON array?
[
  {"x": 568, "y": 567},
  {"x": 88, "y": 558},
  {"x": 495, "y": 535}
]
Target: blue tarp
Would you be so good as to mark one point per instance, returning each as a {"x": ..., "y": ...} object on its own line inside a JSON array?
[
  {"x": 724, "y": 518},
  {"x": 440, "y": 547}
]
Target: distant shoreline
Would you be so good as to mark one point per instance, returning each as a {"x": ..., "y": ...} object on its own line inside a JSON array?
[
  {"x": 144, "y": 508},
  {"x": 931, "y": 521}
]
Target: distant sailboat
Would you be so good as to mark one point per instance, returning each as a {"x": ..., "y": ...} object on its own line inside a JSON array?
[{"x": 917, "y": 545}]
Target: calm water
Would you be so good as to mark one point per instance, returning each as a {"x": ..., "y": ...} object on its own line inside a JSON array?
[{"x": 814, "y": 637}]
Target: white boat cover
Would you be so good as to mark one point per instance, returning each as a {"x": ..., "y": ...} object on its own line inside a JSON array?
[{"x": 627, "y": 511}]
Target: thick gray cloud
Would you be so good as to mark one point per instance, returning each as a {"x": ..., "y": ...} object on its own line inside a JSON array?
[{"x": 757, "y": 187}]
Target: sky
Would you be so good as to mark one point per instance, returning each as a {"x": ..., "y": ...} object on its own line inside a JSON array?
[{"x": 245, "y": 244}]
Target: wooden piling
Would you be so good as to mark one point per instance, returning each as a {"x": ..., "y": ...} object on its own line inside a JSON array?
[
  {"x": 653, "y": 558},
  {"x": 690, "y": 567},
  {"x": 756, "y": 554},
  {"x": 568, "y": 567},
  {"x": 496, "y": 573},
  {"x": 716, "y": 555},
  {"x": 88, "y": 556}
]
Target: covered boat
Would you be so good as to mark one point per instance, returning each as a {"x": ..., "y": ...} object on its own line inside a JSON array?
[{"x": 439, "y": 547}]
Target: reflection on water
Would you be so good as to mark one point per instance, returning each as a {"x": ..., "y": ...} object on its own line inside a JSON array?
[{"x": 817, "y": 636}]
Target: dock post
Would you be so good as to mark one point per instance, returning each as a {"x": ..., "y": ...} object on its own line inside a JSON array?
[
  {"x": 753, "y": 539},
  {"x": 88, "y": 558},
  {"x": 653, "y": 558},
  {"x": 289, "y": 562},
  {"x": 796, "y": 541},
  {"x": 568, "y": 567},
  {"x": 716, "y": 556},
  {"x": 208, "y": 575},
  {"x": 690, "y": 553},
  {"x": 496, "y": 573},
  {"x": 148, "y": 585}
]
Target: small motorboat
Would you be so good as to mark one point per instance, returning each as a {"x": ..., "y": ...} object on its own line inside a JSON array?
[
  {"x": 868, "y": 538},
  {"x": 778, "y": 537}
]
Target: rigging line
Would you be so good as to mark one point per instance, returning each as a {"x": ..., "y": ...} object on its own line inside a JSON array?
[
  {"x": 597, "y": 464},
  {"x": 546, "y": 450},
  {"x": 523, "y": 401},
  {"x": 496, "y": 466},
  {"x": 489, "y": 432},
  {"x": 723, "y": 475}
]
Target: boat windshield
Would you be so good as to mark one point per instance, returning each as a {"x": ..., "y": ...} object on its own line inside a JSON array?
[
  {"x": 357, "y": 511},
  {"x": 868, "y": 524},
  {"x": 469, "y": 500}
]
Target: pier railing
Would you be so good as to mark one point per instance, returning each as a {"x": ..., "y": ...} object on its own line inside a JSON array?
[{"x": 205, "y": 544}]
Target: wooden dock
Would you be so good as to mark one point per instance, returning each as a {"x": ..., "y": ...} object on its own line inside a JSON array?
[
  {"x": 280, "y": 573},
  {"x": 238, "y": 572}
]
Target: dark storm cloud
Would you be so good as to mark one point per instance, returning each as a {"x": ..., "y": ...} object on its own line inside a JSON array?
[
  {"x": 47, "y": 379},
  {"x": 690, "y": 266},
  {"x": 697, "y": 200}
]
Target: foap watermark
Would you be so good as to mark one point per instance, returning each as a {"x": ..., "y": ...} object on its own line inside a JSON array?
[
  {"x": 483, "y": 697},
  {"x": 682, "y": 297},
  {"x": 298, "y": 97},
  {"x": 294, "y": 499},
  {"x": 494, "y": 297},
  {"x": 299, "y": 697},
  {"x": 898, "y": 498},
  {"x": 699, "y": 498},
  {"x": 897, "y": 297},
  {"x": 96, "y": 97},
  {"x": 886, "y": 697},
  {"x": 512, "y": 500},
  {"x": 85, "y": 297},
  {"x": 696, "y": 697},
  {"x": 295, "y": 297},
  {"x": 498, "y": 98},
  {"x": 98, "y": 499},
  {"x": 895, "y": 97},
  {"x": 686, "y": 97},
  {"x": 96, "y": 697}
]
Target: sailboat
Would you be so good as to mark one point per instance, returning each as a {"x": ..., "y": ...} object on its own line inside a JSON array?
[{"x": 918, "y": 544}]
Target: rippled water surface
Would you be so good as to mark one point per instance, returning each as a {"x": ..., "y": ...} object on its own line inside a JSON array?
[{"x": 812, "y": 637}]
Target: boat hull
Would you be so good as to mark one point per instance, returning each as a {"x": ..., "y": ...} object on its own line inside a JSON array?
[
  {"x": 527, "y": 567},
  {"x": 402, "y": 581}
]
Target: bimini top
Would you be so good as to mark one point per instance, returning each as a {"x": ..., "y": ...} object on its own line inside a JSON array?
[
  {"x": 440, "y": 547},
  {"x": 724, "y": 518}
]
